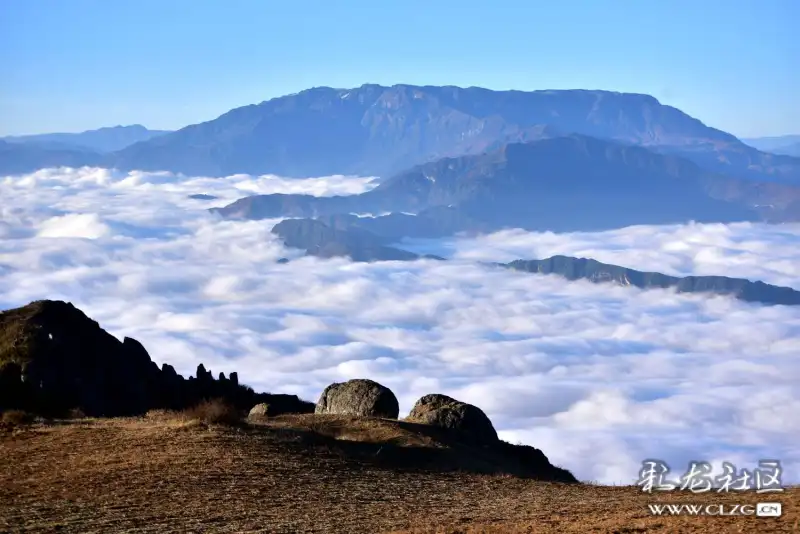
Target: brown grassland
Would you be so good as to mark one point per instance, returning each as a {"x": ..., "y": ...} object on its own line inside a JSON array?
[{"x": 191, "y": 473}]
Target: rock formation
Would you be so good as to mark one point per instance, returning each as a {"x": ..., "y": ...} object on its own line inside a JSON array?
[
  {"x": 360, "y": 397},
  {"x": 465, "y": 420},
  {"x": 259, "y": 410},
  {"x": 53, "y": 358}
]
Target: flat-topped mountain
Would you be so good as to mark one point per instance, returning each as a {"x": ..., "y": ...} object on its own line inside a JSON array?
[
  {"x": 377, "y": 130},
  {"x": 588, "y": 269}
]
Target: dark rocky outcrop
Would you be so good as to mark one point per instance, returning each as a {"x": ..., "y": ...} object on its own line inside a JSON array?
[
  {"x": 53, "y": 358},
  {"x": 319, "y": 239},
  {"x": 533, "y": 461},
  {"x": 467, "y": 421},
  {"x": 359, "y": 397},
  {"x": 594, "y": 271}
]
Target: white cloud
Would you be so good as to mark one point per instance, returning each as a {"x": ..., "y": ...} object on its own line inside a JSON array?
[
  {"x": 87, "y": 225},
  {"x": 599, "y": 377},
  {"x": 746, "y": 250}
]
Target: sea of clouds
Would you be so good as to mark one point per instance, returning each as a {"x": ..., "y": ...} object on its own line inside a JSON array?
[{"x": 599, "y": 377}]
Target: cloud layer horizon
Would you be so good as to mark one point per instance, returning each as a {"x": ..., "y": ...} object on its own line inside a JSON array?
[{"x": 599, "y": 377}]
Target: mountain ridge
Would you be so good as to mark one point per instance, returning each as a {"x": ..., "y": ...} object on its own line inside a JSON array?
[
  {"x": 782, "y": 145},
  {"x": 573, "y": 268},
  {"x": 374, "y": 129},
  {"x": 101, "y": 140},
  {"x": 359, "y": 245},
  {"x": 381, "y": 130},
  {"x": 564, "y": 183}
]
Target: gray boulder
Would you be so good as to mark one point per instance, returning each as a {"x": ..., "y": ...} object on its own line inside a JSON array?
[
  {"x": 467, "y": 421},
  {"x": 359, "y": 397},
  {"x": 259, "y": 410}
]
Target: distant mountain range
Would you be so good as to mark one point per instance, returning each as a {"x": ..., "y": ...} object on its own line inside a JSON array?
[
  {"x": 786, "y": 145},
  {"x": 377, "y": 130},
  {"x": 790, "y": 150},
  {"x": 560, "y": 184},
  {"x": 587, "y": 269},
  {"x": 103, "y": 140},
  {"x": 322, "y": 240},
  {"x": 18, "y": 158},
  {"x": 374, "y": 130},
  {"x": 455, "y": 160}
]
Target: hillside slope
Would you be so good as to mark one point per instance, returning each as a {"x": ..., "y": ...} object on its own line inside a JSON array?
[{"x": 308, "y": 474}]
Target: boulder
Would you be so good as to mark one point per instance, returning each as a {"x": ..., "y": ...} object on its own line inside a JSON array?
[
  {"x": 259, "y": 410},
  {"x": 359, "y": 397},
  {"x": 467, "y": 421}
]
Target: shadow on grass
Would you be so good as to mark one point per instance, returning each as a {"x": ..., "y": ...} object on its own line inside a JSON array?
[{"x": 404, "y": 446}]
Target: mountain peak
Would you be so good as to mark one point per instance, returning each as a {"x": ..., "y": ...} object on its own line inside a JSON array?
[{"x": 375, "y": 130}]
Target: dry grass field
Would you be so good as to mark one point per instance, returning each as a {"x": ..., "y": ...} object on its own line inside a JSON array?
[{"x": 171, "y": 473}]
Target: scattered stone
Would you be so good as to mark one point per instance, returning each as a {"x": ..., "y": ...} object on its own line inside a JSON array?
[{"x": 359, "y": 397}]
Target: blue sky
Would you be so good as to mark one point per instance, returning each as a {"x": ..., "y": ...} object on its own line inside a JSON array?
[{"x": 82, "y": 64}]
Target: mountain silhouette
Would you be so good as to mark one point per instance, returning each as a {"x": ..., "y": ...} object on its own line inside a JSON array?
[
  {"x": 102, "y": 140},
  {"x": 377, "y": 130},
  {"x": 18, "y": 158},
  {"x": 561, "y": 184},
  {"x": 359, "y": 245},
  {"x": 588, "y": 269}
]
